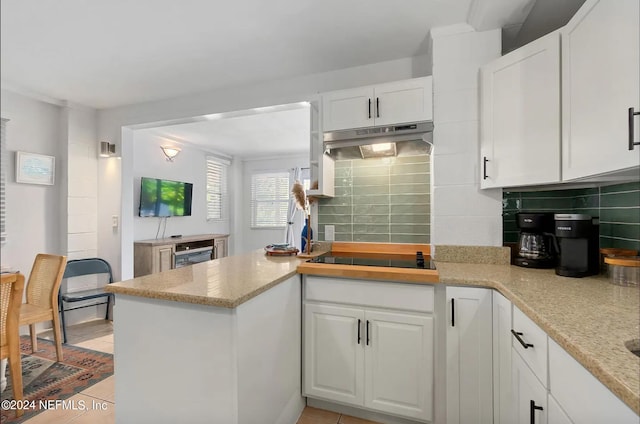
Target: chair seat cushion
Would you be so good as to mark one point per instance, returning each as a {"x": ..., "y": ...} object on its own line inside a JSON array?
[{"x": 84, "y": 295}]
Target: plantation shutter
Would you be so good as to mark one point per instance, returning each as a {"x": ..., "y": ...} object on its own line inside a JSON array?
[
  {"x": 269, "y": 199},
  {"x": 3, "y": 180},
  {"x": 216, "y": 188}
]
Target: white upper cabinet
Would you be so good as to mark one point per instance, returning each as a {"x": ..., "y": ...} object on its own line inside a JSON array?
[
  {"x": 520, "y": 116},
  {"x": 600, "y": 82},
  {"x": 385, "y": 104},
  {"x": 321, "y": 166}
]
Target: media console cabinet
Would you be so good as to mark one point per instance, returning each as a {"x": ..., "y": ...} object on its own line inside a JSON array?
[{"x": 157, "y": 255}]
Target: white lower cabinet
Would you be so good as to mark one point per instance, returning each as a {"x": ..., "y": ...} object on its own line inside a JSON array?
[
  {"x": 334, "y": 358},
  {"x": 398, "y": 363},
  {"x": 363, "y": 355},
  {"x": 529, "y": 395},
  {"x": 502, "y": 325},
  {"x": 584, "y": 399},
  {"x": 555, "y": 414},
  {"x": 469, "y": 355}
]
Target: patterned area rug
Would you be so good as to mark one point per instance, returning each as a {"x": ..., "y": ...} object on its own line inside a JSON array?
[{"x": 46, "y": 380}]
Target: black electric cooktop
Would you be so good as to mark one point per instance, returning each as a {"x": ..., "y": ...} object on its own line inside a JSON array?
[{"x": 418, "y": 262}]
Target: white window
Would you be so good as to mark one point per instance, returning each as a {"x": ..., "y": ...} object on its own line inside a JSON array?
[
  {"x": 216, "y": 188},
  {"x": 269, "y": 199},
  {"x": 3, "y": 181}
]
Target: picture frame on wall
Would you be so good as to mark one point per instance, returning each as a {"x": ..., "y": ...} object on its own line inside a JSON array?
[{"x": 33, "y": 168}]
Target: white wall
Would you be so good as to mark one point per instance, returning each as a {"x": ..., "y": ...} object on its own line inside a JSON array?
[
  {"x": 258, "y": 238},
  {"x": 33, "y": 211},
  {"x": 189, "y": 166},
  {"x": 458, "y": 52},
  {"x": 118, "y": 250}
]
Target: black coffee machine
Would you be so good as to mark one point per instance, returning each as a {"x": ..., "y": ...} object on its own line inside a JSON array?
[
  {"x": 536, "y": 244},
  {"x": 578, "y": 239}
]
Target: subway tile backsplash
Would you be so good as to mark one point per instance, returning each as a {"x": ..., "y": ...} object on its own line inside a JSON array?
[
  {"x": 617, "y": 206},
  {"x": 379, "y": 200}
]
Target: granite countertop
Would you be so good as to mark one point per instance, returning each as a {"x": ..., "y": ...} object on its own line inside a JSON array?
[
  {"x": 226, "y": 282},
  {"x": 589, "y": 317}
]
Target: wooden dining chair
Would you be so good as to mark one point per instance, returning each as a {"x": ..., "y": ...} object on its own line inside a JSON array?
[
  {"x": 42, "y": 297},
  {"x": 11, "y": 289}
]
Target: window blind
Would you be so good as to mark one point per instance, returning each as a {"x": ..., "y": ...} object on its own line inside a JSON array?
[
  {"x": 3, "y": 180},
  {"x": 269, "y": 199},
  {"x": 216, "y": 188}
]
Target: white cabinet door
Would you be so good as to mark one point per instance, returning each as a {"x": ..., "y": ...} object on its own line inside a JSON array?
[
  {"x": 345, "y": 109},
  {"x": 404, "y": 101},
  {"x": 555, "y": 414},
  {"x": 502, "y": 325},
  {"x": 399, "y": 364},
  {"x": 529, "y": 396},
  {"x": 520, "y": 116},
  {"x": 469, "y": 356},
  {"x": 600, "y": 82},
  {"x": 334, "y": 353}
]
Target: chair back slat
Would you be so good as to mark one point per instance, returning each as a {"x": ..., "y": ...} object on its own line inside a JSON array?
[
  {"x": 80, "y": 267},
  {"x": 11, "y": 289},
  {"x": 44, "y": 280}
]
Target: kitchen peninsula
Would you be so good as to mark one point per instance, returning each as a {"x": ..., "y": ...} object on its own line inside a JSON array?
[{"x": 221, "y": 340}]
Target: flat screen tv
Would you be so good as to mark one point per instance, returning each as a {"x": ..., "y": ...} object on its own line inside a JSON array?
[{"x": 164, "y": 198}]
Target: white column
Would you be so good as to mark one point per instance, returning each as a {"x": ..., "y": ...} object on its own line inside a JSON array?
[{"x": 462, "y": 214}]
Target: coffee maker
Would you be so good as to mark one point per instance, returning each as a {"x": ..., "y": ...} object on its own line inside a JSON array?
[
  {"x": 578, "y": 238},
  {"x": 536, "y": 243}
]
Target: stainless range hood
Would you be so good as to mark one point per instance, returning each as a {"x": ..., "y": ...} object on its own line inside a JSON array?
[{"x": 405, "y": 140}]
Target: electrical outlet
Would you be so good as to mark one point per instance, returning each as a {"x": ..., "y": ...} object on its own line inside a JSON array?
[{"x": 329, "y": 232}]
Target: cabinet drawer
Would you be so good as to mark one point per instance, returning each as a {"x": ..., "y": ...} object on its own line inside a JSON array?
[
  {"x": 580, "y": 394},
  {"x": 535, "y": 340},
  {"x": 410, "y": 297}
]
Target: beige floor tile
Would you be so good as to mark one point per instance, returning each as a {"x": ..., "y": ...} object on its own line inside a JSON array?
[
  {"x": 103, "y": 390},
  {"x": 318, "y": 416},
  {"x": 60, "y": 415},
  {"x": 99, "y": 413},
  {"x": 98, "y": 345},
  {"x": 346, "y": 419}
]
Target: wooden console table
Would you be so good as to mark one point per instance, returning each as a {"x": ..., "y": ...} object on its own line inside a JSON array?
[{"x": 157, "y": 255}]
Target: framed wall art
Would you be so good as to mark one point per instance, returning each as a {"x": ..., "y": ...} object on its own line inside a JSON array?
[{"x": 32, "y": 168}]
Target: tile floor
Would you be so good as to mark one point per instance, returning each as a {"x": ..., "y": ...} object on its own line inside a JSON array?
[{"x": 98, "y": 335}]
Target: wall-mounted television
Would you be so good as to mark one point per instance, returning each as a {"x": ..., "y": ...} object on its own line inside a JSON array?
[{"x": 164, "y": 198}]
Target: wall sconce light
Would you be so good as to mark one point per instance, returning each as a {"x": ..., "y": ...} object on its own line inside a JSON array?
[
  {"x": 170, "y": 152},
  {"x": 107, "y": 149}
]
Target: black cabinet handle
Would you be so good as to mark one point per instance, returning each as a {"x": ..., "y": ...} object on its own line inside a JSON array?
[
  {"x": 367, "y": 332},
  {"x": 453, "y": 312},
  {"x": 359, "y": 322},
  {"x": 532, "y": 411},
  {"x": 632, "y": 113},
  {"x": 522, "y": 342},
  {"x": 484, "y": 167},
  {"x": 369, "y": 108},
  {"x": 377, "y": 107}
]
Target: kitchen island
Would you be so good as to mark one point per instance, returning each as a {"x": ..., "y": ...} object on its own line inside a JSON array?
[{"x": 216, "y": 342}]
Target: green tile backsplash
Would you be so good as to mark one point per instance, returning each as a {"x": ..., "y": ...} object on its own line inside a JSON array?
[
  {"x": 379, "y": 200},
  {"x": 618, "y": 207}
]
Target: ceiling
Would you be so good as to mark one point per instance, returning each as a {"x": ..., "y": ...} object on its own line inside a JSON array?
[
  {"x": 109, "y": 53},
  {"x": 112, "y": 53},
  {"x": 282, "y": 131}
]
